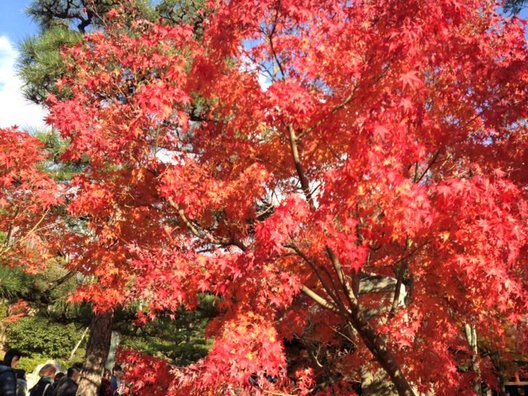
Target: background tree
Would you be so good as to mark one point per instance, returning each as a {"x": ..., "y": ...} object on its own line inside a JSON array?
[
  {"x": 41, "y": 63},
  {"x": 514, "y": 6},
  {"x": 79, "y": 15}
]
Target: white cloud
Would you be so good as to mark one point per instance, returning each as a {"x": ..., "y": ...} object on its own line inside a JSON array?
[
  {"x": 14, "y": 108},
  {"x": 248, "y": 65},
  {"x": 264, "y": 81}
]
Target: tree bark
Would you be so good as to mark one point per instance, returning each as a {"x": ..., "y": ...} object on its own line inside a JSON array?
[
  {"x": 376, "y": 383},
  {"x": 376, "y": 345},
  {"x": 96, "y": 354},
  {"x": 114, "y": 343},
  {"x": 372, "y": 340}
]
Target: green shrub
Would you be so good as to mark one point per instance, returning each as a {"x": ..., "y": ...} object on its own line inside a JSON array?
[
  {"x": 3, "y": 309},
  {"x": 39, "y": 336},
  {"x": 29, "y": 363},
  {"x": 182, "y": 340}
]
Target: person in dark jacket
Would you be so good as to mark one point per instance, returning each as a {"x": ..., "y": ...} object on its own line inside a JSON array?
[
  {"x": 44, "y": 386},
  {"x": 115, "y": 381},
  {"x": 21, "y": 382},
  {"x": 8, "y": 376},
  {"x": 68, "y": 385},
  {"x": 57, "y": 379},
  {"x": 105, "y": 389}
]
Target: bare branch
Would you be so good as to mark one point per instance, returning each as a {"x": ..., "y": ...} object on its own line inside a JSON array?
[
  {"x": 435, "y": 157},
  {"x": 318, "y": 299},
  {"x": 204, "y": 234},
  {"x": 270, "y": 39},
  {"x": 305, "y": 185},
  {"x": 330, "y": 289},
  {"x": 334, "y": 110}
]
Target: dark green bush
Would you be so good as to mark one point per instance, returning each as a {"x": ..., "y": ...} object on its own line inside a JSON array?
[
  {"x": 181, "y": 340},
  {"x": 39, "y": 336},
  {"x": 29, "y": 363}
]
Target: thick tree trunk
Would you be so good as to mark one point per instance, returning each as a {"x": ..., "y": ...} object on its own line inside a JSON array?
[
  {"x": 376, "y": 383},
  {"x": 96, "y": 354},
  {"x": 376, "y": 345},
  {"x": 356, "y": 318},
  {"x": 372, "y": 340}
]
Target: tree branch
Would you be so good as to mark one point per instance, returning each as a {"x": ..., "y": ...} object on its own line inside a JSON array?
[
  {"x": 348, "y": 291},
  {"x": 334, "y": 110},
  {"x": 327, "y": 287},
  {"x": 435, "y": 157},
  {"x": 318, "y": 299},
  {"x": 270, "y": 39},
  {"x": 305, "y": 185},
  {"x": 400, "y": 271},
  {"x": 204, "y": 234}
]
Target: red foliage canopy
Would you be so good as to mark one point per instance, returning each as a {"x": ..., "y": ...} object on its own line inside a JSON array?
[
  {"x": 294, "y": 152},
  {"x": 26, "y": 196}
]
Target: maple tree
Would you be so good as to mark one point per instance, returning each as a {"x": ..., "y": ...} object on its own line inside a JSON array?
[
  {"x": 285, "y": 158},
  {"x": 62, "y": 23},
  {"x": 27, "y": 197}
]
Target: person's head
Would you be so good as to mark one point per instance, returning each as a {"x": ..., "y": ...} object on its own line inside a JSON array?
[
  {"x": 48, "y": 371},
  {"x": 60, "y": 375},
  {"x": 118, "y": 371},
  {"x": 74, "y": 373},
  {"x": 12, "y": 357},
  {"x": 107, "y": 374}
]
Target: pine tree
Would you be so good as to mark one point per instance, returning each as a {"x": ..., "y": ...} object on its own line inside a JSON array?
[{"x": 514, "y": 6}]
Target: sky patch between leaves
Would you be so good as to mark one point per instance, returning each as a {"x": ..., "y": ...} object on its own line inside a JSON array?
[{"x": 14, "y": 108}]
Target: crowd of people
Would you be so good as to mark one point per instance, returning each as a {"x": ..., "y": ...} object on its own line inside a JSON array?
[{"x": 52, "y": 382}]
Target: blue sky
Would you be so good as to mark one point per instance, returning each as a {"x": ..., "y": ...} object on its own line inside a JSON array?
[
  {"x": 14, "y": 23},
  {"x": 15, "y": 26}
]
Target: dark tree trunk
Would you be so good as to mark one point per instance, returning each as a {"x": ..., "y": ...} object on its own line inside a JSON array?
[
  {"x": 379, "y": 349},
  {"x": 96, "y": 354},
  {"x": 376, "y": 383}
]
